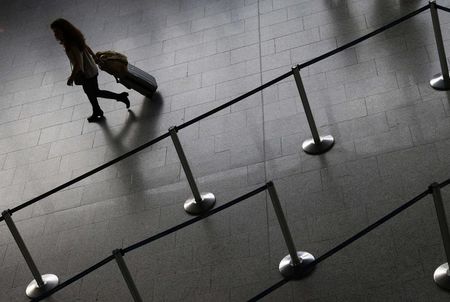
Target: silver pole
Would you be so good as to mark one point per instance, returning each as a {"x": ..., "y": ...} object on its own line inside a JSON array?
[
  {"x": 201, "y": 202},
  {"x": 283, "y": 224},
  {"x": 442, "y": 273},
  {"x": 187, "y": 170},
  {"x": 298, "y": 263},
  {"x": 318, "y": 144},
  {"x": 304, "y": 98},
  {"x": 23, "y": 248},
  {"x": 126, "y": 275},
  {"x": 440, "y": 212},
  {"x": 41, "y": 283},
  {"x": 442, "y": 81}
]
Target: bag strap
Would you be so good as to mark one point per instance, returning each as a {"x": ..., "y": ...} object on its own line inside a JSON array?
[{"x": 90, "y": 51}]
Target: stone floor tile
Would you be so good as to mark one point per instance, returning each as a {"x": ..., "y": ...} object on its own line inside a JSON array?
[
  {"x": 273, "y": 17},
  {"x": 348, "y": 25},
  {"x": 209, "y": 63},
  {"x": 237, "y": 87},
  {"x": 140, "y": 53},
  {"x": 158, "y": 62},
  {"x": 287, "y": 126},
  {"x": 393, "y": 99},
  {"x": 221, "y": 6},
  {"x": 245, "y": 53},
  {"x": 37, "y": 108},
  {"x": 9, "y": 115},
  {"x": 286, "y": 28},
  {"x": 18, "y": 142},
  {"x": 210, "y": 21},
  {"x": 297, "y": 40},
  {"x": 404, "y": 60},
  {"x": 341, "y": 153},
  {"x": 310, "y": 51},
  {"x": 7, "y": 100},
  {"x": 421, "y": 159},
  {"x": 195, "y": 52},
  {"x": 246, "y": 155},
  {"x": 426, "y": 112},
  {"x": 324, "y": 17},
  {"x": 71, "y": 145},
  {"x": 371, "y": 86},
  {"x": 193, "y": 98},
  {"x": 248, "y": 11},
  {"x": 51, "y": 119},
  {"x": 398, "y": 138},
  {"x": 340, "y": 112},
  {"x": 351, "y": 73},
  {"x": 358, "y": 128},
  {"x": 390, "y": 127},
  {"x": 249, "y": 37},
  {"x": 272, "y": 60},
  {"x": 345, "y": 58},
  {"x": 28, "y": 82},
  {"x": 442, "y": 149},
  {"x": 380, "y": 49},
  {"x": 251, "y": 24},
  {"x": 182, "y": 42},
  {"x": 221, "y": 124},
  {"x": 305, "y": 8},
  {"x": 26, "y": 156},
  {"x": 281, "y": 109},
  {"x": 224, "y": 74}
]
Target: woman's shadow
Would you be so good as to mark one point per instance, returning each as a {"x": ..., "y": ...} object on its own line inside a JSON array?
[{"x": 137, "y": 130}]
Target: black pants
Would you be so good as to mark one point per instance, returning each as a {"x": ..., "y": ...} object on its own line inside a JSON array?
[{"x": 92, "y": 91}]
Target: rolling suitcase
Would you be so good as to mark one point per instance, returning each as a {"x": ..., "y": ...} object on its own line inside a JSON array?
[
  {"x": 139, "y": 80},
  {"x": 116, "y": 64}
]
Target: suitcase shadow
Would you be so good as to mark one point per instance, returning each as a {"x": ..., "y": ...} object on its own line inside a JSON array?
[{"x": 138, "y": 129}]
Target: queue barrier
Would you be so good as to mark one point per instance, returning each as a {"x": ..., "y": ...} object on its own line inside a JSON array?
[
  {"x": 441, "y": 274},
  {"x": 294, "y": 265},
  {"x": 202, "y": 203},
  {"x": 439, "y": 81}
]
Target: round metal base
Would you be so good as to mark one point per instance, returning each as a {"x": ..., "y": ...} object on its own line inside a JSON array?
[
  {"x": 438, "y": 83},
  {"x": 197, "y": 208},
  {"x": 296, "y": 271},
  {"x": 442, "y": 276},
  {"x": 50, "y": 282},
  {"x": 310, "y": 147}
]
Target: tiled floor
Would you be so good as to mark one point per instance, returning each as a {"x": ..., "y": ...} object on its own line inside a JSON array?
[{"x": 392, "y": 136}]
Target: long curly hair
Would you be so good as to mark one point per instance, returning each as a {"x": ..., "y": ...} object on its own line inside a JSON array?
[{"x": 72, "y": 36}]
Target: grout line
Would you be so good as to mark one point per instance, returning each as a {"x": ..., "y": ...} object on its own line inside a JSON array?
[{"x": 263, "y": 133}]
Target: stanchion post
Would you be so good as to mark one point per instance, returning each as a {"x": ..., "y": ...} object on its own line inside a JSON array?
[
  {"x": 201, "y": 202},
  {"x": 440, "y": 81},
  {"x": 118, "y": 254},
  {"x": 318, "y": 144},
  {"x": 41, "y": 283},
  {"x": 442, "y": 273},
  {"x": 293, "y": 265}
]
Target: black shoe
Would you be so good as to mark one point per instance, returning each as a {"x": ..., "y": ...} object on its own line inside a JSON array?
[
  {"x": 95, "y": 117},
  {"x": 123, "y": 97}
]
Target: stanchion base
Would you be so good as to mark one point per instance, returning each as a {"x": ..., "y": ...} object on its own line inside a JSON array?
[
  {"x": 310, "y": 147},
  {"x": 50, "y": 282},
  {"x": 197, "y": 208},
  {"x": 296, "y": 271},
  {"x": 438, "y": 83},
  {"x": 442, "y": 276}
]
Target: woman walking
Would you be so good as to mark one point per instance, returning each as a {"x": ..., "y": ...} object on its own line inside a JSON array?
[{"x": 84, "y": 68}]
